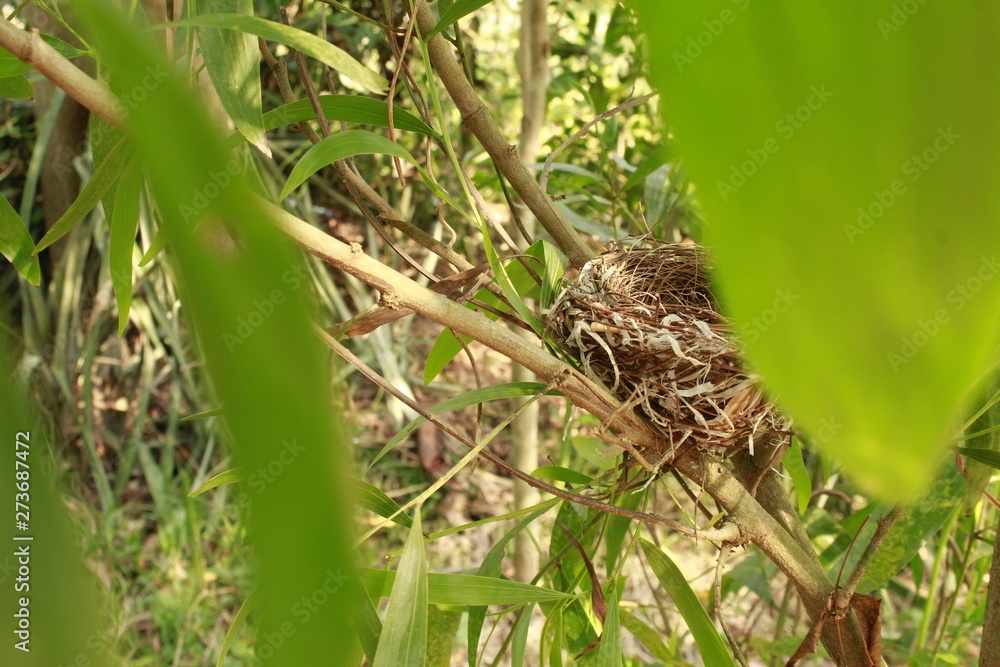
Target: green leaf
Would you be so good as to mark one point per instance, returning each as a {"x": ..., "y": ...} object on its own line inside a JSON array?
[
  {"x": 989, "y": 457},
  {"x": 609, "y": 654},
  {"x": 374, "y": 499},
  {"x": 234, "y": 629},
  {"x": 203, "y": 415},
  {"x": 337, "y": 147},
  {"x": 918, "y": 522},
  {"x": 455, "y": 12},
  {"x": 307, "y": 43},
  {"x": 124, "y": 222},
  {"x": 562, "y": 474},
  {"x": 404, "y": 633},
  {"x": 983, "y": 434},
  {"x": 441, "y": 630},
  {"x": 464, "y": 400},
  {"x": 617, "y": 528},
  {"x": 796, "y": 468},
  {"x": 232, "y": 58},
  {"x": 368, "y": 626},
  {"x": 491, "y": 567},
  {"x": 555, "y": 267},
  {"x": 347, "y": 109},
  {"x": 649, "y": 638},
  {"x": 109, "y": 171},
  {"x": 227, "y": 477},
  {"x": 464, "y": 590},
  {"x": 771, "y": 125},
  {"x": 445, "y": 348},
  {"x": 16, "y": 87},
  {"x": 158, "y": 243},
  {"x": 16, "y": 244},
  {"x": 713, "y": 650}
]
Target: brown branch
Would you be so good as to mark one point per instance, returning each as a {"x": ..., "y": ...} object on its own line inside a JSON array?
[
  {"x": 476, "y": 117},
  {"x": 845, "y": 594}
]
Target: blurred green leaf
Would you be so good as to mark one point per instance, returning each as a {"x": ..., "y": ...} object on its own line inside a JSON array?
[
  {"x": 464, "y": 589},
  {"x": 232, "y": 58},
  {"x": 562, "y": 474},
  {"x": 16, "y": 244},
  {"x": 374, "y": 499},
  {"x": 404, "y": 633},
  {"x": 347, "y": 109},
  {"x": 864, "y": 290},
  {"x": 307, "y": 43},
  {"x": 617, "y": 528},
  {"x": 649, "y": 638},
  {"x": 106, "y": 174},
  {"x": 983, "y": 434},
  {"x": 227, "y": 477},
  {"x": 713, "y": 650},
  {"x": 124, "y": 223},
  {"x": 442, "y": 626},
  {"x": 16, "y": 87},
  {"x": 457, "y": 10}
]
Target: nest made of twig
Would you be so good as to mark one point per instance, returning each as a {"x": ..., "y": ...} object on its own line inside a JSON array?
[{"x": 644, "y": 322}]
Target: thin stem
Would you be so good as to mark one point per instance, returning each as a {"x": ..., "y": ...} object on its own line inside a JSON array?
[
  {"x": 882, "y": 529},
  {"x": 719, "y": 567},
  {"x": 932, "y": 589}
]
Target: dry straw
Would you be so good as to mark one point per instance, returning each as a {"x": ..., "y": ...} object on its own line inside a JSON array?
[{"x": 643, "y": 321}]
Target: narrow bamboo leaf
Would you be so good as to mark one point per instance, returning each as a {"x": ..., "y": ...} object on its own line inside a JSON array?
[
  {"x": 234, "y": 629},
  {"x": 124, "y": 223},
  {"x": 988, "y": 457},
  {"x": 711, "y": 646},
  {"x": 796, "y": 468},
  {"x": 649, "y": 638},
  {"x": 109, "y": 171},
  {"x": 337, "y": 147},
  {"x": 404, "y": 633},
  {"x": 347, "y": 109},
  {"x": 232, "y": 58},
  {"x": 227, "y": 477},
  {"x": 519, "y": 644},
  {"x": 561, "y": 474},
  {"x": 917, "y": 523},
  {"x": 16, "y": 244},
  {"x": 464, "y": 400},
  {"x": 307, "y": 43},
  {"x": 16, "y": 87},
  {"x": 445, "y": 348},
  {"x": 158, "y": 243},
  {"x": 374, "y": 499},
  {"x": 609, "y": 654},
  {"x": 509, "y": 290},
  {"x": 464, "y": 590},
  {"x": 491, "y": 567},
  {"x": 455, "y": 12}
]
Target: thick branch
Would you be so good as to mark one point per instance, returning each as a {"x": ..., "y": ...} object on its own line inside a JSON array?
[
  {"x": 476, "y": 117},
  {"x": 29, "y": 47}
]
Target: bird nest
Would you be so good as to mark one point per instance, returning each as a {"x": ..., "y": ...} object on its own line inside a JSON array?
[{"x": 643, "y": 321}]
